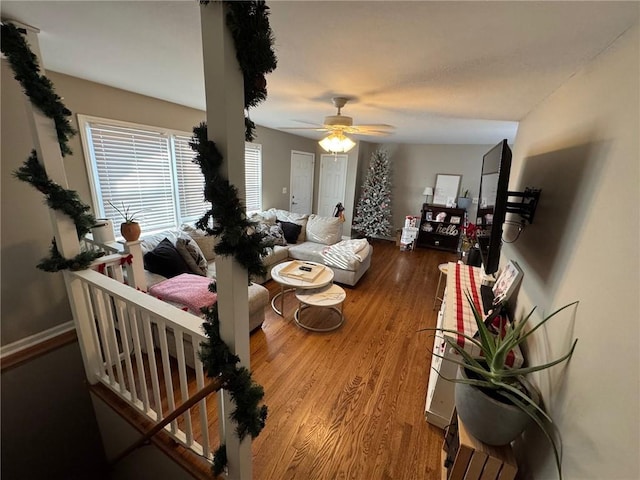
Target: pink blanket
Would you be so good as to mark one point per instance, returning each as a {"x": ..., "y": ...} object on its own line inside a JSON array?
[{"x": 186, "y": 289}]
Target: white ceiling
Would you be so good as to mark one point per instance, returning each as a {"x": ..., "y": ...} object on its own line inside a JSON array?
[{"x": 440, "y": 72}]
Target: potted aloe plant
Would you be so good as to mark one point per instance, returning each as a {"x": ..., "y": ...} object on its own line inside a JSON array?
[
  {"x": 129, "y": 228},
  {"x": 490, "y": 395}
]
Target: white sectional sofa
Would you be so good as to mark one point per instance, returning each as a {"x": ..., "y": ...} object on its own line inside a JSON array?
[
  {"x": 311, "y": 238},
  {"x": 319, "y": 240}
]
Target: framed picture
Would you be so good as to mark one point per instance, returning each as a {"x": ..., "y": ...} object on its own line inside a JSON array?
[
  {"x": 428, "y": 216},
  {"x": 455, "y": 220},
  {"x": 446, "y": 190},
  {"x": 507, "y": 282}
]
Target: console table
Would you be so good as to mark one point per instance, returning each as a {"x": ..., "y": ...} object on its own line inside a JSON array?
[{"x": 455, "y": 314}]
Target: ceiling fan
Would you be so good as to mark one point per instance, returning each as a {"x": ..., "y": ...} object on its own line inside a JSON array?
[{"x": 341, "y": 124}]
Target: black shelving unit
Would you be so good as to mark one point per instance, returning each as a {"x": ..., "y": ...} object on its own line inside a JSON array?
[{"x": 441, "y": 227}]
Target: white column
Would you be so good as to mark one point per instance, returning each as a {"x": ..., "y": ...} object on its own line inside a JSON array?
[
  {"x": 135, "y": 270},
  {"x": 225, "y": 119},
  {"x": 46, "y": 144}
]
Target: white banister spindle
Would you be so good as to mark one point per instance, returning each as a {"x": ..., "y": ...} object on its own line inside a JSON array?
[
  {"x": 127, "y": 344},
  {"x": 99, "y": 310},
  {"x": 184, "y": 385},
  {"x": 112, "y": 337},
  {"x": 153, "y": 367},
  {"x": 166, "y": 370},
  {"x": 204, "y": 423},
  {"x": 137, "y": 348}
]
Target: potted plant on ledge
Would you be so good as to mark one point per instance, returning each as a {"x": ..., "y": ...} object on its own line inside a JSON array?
[
  {"x": 464, "y": 201},
  {"x": 494, "y": 401},
  {"x": 129, "y": 228}
]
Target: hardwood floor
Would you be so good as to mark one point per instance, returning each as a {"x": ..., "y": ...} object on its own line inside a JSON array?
[{"x": 349, "y": 404}]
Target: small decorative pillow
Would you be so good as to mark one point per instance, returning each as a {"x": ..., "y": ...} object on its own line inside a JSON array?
[
  {"x": 263, "y": 217},
  {"x": 206, "y": 242},
  {"x": 191, "y": 254},
  {"x": 298, "y": 218},
  {"x": 273, "y": 233},
  {"x": 291, "y": 231},
  {"x": 165, "y": 260},
  {"x": 325, "y": 230}
]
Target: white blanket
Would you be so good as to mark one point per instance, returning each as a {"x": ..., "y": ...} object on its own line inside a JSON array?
[{"x": 343, "y": 253}]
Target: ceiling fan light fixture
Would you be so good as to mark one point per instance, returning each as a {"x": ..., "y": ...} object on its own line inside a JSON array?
[{"x": 337, "y": 142}]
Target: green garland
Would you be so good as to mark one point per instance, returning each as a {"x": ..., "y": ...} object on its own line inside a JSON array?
[
  {"x": 37, "y": 87},
  {"x": 58, "y": 198},
  {"x": 248, "y": 22},
  {"x": 40, "y": 91}
]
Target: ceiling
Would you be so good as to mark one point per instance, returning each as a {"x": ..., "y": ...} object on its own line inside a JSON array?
[{"x": 440, "y": 72}]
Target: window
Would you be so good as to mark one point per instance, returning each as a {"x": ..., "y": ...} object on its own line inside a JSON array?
[
  {"x": 253, "y": 176},
  {"x": 151, "y": 171}
]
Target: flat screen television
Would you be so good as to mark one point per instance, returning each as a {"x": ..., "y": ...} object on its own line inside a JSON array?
[{"x": 492, "y": 204}]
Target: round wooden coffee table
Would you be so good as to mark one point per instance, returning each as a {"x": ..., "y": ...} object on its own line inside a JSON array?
[
  {"x": 330, "y": 297},
  {"x": 289, "y": 284}
]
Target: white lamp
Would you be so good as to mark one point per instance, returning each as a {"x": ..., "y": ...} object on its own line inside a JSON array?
[
  {"x": 428, "y": 191},
  {"x": 337, "y": 142}
]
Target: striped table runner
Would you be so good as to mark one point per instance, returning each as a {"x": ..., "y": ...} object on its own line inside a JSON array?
[{"x": 458, "y": 315}]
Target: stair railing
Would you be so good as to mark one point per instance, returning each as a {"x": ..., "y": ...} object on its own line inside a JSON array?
[{"x": 144, "y": 350}]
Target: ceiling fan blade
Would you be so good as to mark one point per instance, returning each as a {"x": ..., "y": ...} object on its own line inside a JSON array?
[
  {"x": 375, "y": 126},
  {"x": 371, "y": 133},
  {"x": 315, "y": 129}
]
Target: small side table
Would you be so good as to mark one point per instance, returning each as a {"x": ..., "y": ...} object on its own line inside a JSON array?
[
  {"x": 330, "y": 297},
  {"x": 443, "y": 267}
]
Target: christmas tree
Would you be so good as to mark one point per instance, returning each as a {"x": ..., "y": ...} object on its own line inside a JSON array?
[{"x": 373, "y": 212}]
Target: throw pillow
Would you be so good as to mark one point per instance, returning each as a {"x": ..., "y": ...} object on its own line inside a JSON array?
[
  {"x": 165, "y": 260},
  {"x": 298, "y": 218},
  {"x": 191, "y": 254},
  {"x": 291, "y": 231},
  {"x": 276, "y": 234},
  {"x": 206, "y": 242},
  {"x": 325, "y": 230},
  {"x": 272, "y": 233}
]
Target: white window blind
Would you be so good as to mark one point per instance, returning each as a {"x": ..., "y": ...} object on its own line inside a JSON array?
[
  {"x": 133, "y": 168},
  {"x": 253, "y": 176},
  {"x": 151, "y": 171},
  {"x": 190, "y": 182}
]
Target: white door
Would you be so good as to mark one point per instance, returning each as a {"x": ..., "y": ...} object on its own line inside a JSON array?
[
  {"x": 333, "y": 182},
  {"x": 301, "y": 183}
]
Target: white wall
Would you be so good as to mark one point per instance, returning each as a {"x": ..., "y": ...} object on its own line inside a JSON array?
[{"x": 581, "y": 147}]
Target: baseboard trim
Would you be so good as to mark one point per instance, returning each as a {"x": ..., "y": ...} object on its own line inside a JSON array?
[{"x": 34, "y": 346}]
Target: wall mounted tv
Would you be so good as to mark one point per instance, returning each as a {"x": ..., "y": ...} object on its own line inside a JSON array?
[{"x": 492, "y": 204}]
